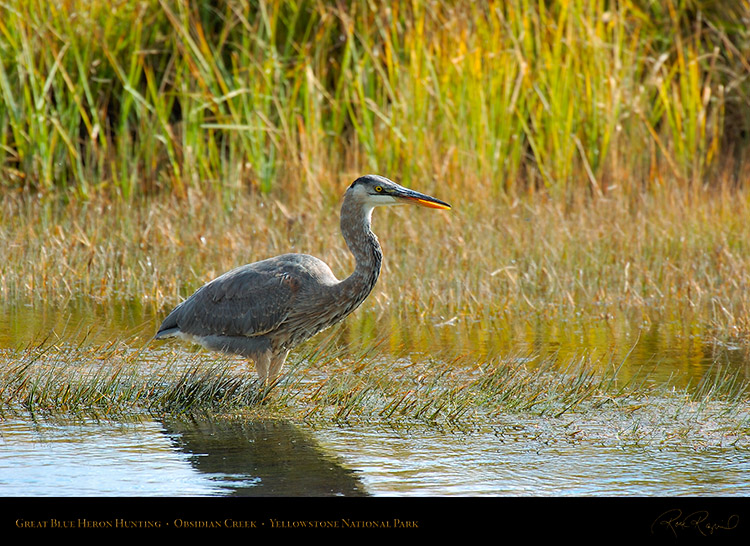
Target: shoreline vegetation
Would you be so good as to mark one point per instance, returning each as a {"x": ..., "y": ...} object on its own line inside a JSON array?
[
  {"x": 577, "y": 401},
  {"x": 595, "y": 155},
  {"x": 563, "y": 98}
]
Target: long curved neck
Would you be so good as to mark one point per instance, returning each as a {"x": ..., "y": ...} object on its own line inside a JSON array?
[{"x": 363, "y": 244}]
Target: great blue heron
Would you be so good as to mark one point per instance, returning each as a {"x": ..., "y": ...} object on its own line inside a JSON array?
[{"x": 264, "y": 309}]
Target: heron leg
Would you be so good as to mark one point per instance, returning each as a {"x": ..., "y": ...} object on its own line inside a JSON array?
[
  {"x": 277, "y": 362},
  {"x": 262, "y": 363}
]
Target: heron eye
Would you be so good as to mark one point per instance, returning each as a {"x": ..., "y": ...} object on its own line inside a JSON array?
[{"x": 378, "y": 188}]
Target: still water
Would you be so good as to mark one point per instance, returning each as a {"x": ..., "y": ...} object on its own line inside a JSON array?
[
  {"x": 204, "y": 458},
  {"x": 524, "y": 456}
]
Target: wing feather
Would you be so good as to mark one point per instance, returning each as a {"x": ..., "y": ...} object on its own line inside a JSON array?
[{"x": 248, "y": 301}]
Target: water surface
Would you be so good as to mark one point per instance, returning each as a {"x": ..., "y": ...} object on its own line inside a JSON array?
[
  {"x": 521, "y": 457},
  {"x": 206, "y": 458}
]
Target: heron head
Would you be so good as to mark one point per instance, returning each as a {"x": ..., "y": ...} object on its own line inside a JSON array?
[{"x": 375, "y": 190}]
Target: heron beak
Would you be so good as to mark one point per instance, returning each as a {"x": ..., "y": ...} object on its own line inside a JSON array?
[{"x": 422, "y": 199}]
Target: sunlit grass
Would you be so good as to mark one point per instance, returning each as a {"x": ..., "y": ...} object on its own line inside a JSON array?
[
  {"x": 658, "y": 256},
  {"x": 593, "y": 154},
  {"x": 327, "y": 385},
  {"x": 460, "y": 293},
  {"x": 151, "y": 147},
  {"x": 113, "y": 381},
  {"x": 168, "y": 95}
]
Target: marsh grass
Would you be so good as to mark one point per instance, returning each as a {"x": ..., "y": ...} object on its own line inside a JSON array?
[
  {"x": 329, "y": 385},
  {"x": 659, "y": 257},
  {"x": 585, "y": 148},
  {"x": 111, "y": 383},
  {"x": 433, "y": 344},
  {"x": 596, "y": 166},
  {"x": 170, "y": 95}
]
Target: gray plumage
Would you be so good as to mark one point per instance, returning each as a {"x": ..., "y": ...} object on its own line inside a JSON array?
[{"x": 264, "y": 309}]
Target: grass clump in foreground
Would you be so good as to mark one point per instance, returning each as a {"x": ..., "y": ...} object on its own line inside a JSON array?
[
  {"x": 327, "y": 386},
  {"x": 110, "y": 382}
]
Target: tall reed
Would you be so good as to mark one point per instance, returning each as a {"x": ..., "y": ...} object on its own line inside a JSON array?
[{"x": 167, "y": 95}]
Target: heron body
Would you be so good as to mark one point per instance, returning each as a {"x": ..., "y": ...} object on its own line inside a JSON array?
[{"x": 264, "y": 309}]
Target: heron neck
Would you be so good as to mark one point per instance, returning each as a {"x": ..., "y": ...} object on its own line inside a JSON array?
[{"x": 364, "y": 245}]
